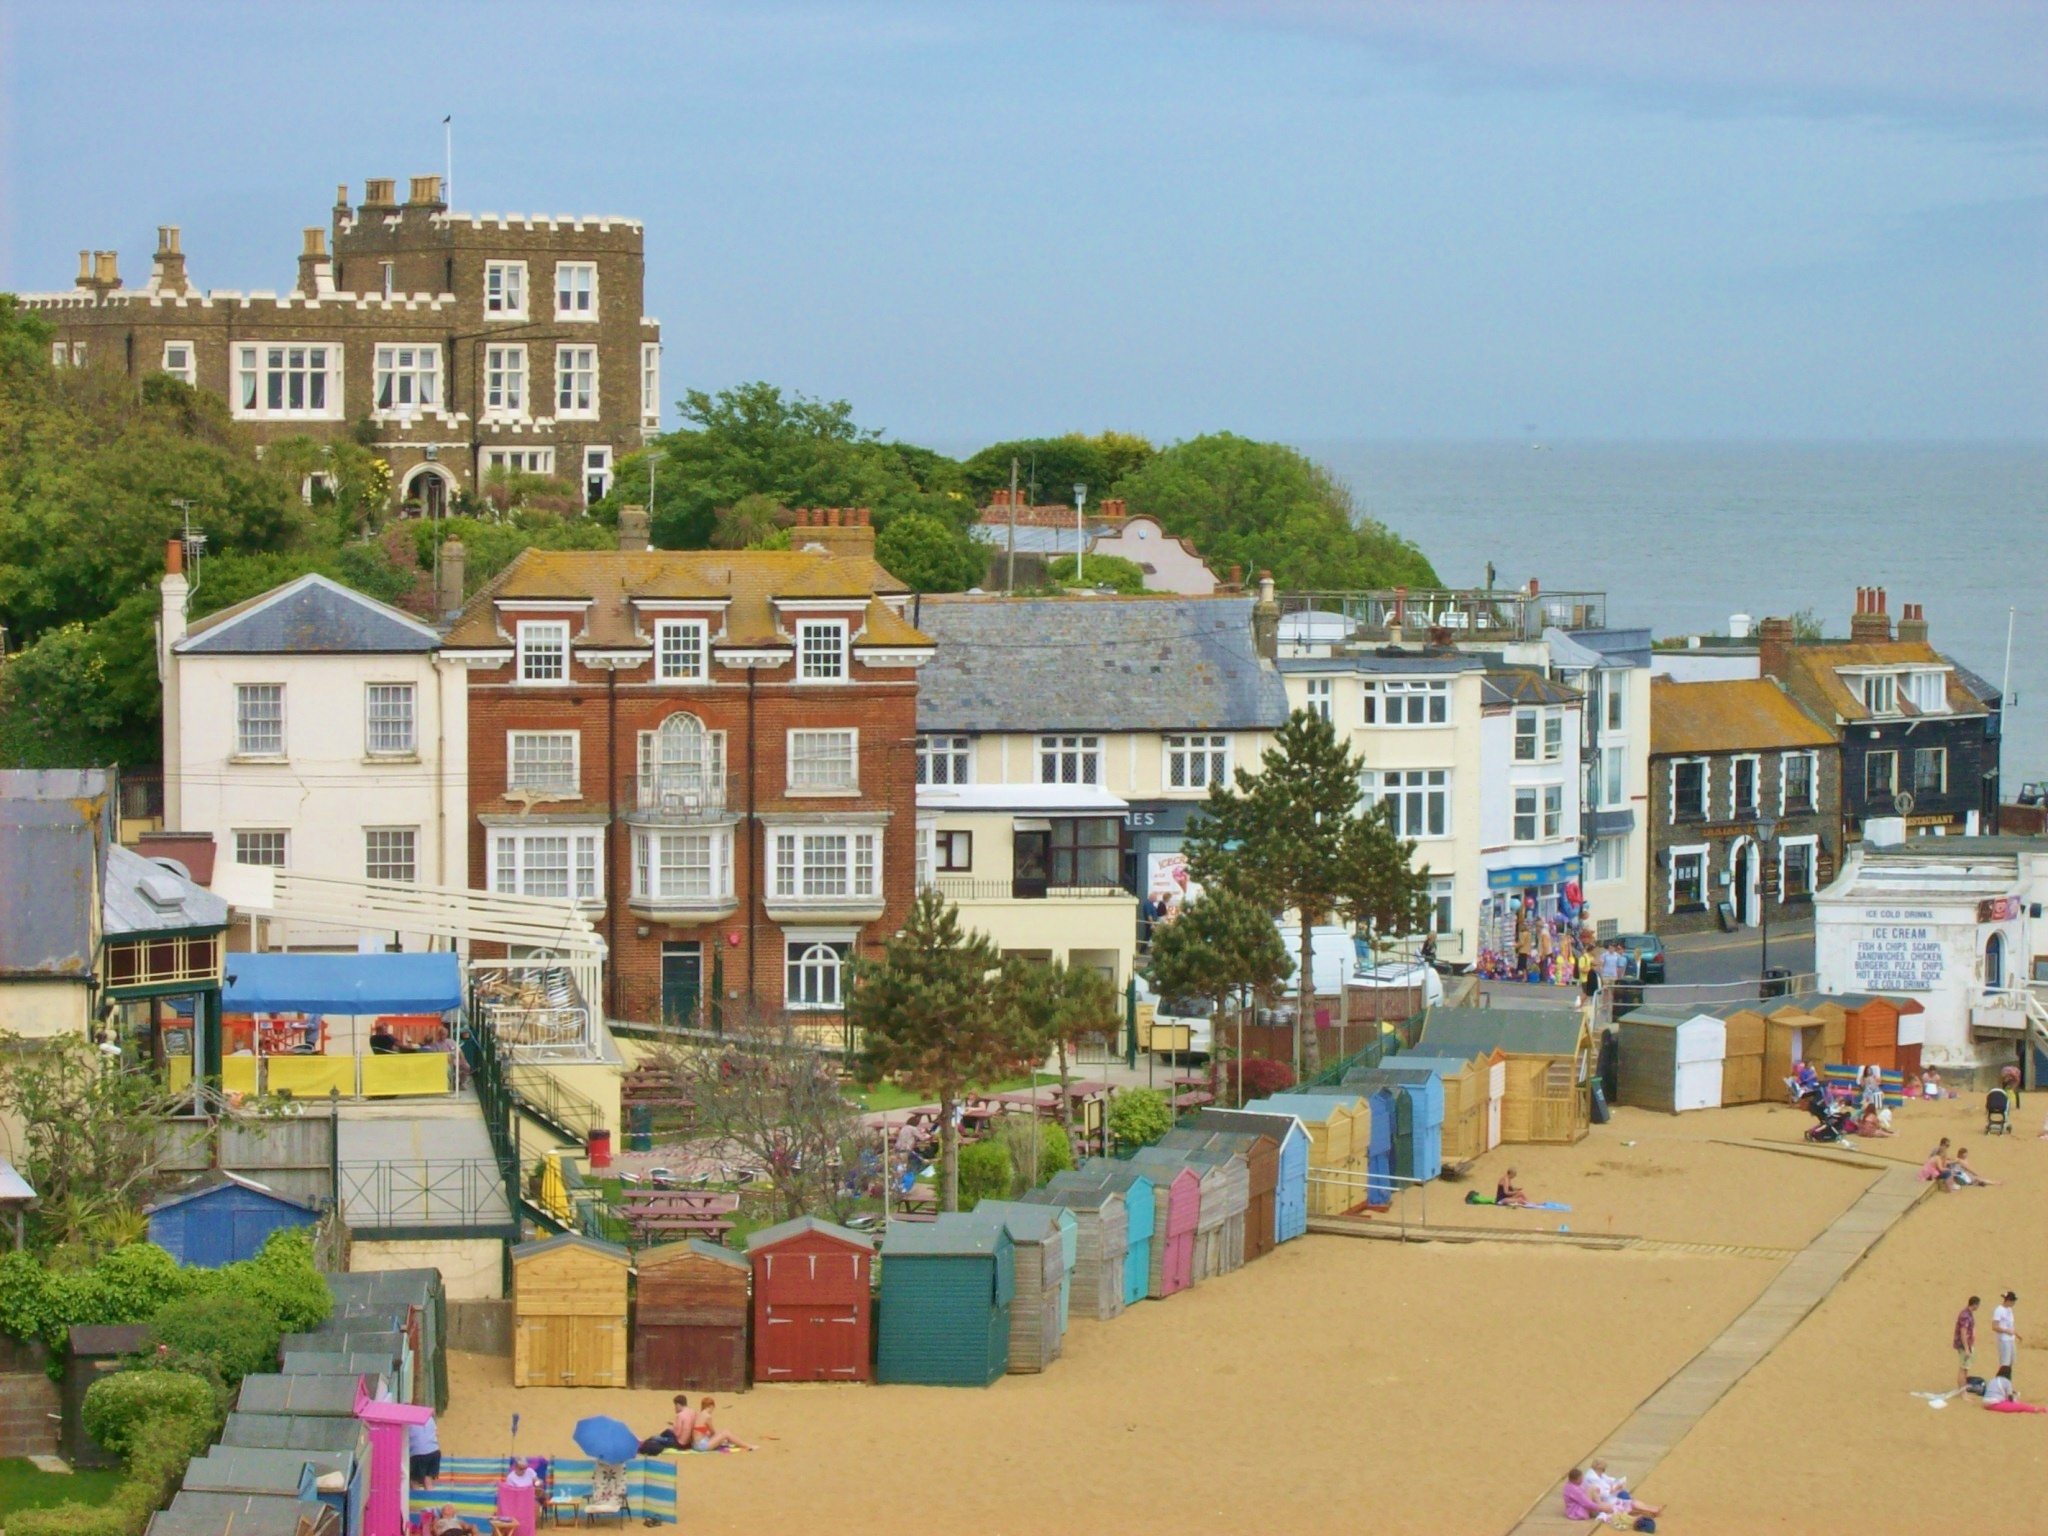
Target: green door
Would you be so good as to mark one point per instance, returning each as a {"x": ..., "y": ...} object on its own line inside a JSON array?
[{"x": 682, "y": 983}]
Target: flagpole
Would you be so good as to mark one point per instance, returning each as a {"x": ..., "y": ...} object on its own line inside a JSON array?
[{"x": 448, "y": 148}]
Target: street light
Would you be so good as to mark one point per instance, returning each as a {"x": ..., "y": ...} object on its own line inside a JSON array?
[
  {"x": 1766, "y": 829},
  {"x": 1080, "y": 533},
  {"x": 653, "y": 458}
]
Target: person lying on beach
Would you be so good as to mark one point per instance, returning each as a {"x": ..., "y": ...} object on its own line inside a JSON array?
[
  {"x": 1615, "y": 1491},
  {"x": 1508, "y": 1192},
  {"x": 1960, "y": 1171},
  {"x": 708, "y": 1437}
]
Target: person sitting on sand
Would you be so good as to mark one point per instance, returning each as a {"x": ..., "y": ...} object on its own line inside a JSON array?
[
  {"x": 1873, "y": 1121},
  {"x": 1508, "y": 1192},
  {"x": 1930, "y": 1085},
  {"x": 1937, "y": 1168},
  {"x": 1615, "y": 1491},
  {"x": 1960, "y": 1172},
  {"x": 1583, "y": 1502},
  {"x": 2000, "y": 1396},
  {"x": 706, "y": 1436},
  {"x": 1804, "y": 1083}
]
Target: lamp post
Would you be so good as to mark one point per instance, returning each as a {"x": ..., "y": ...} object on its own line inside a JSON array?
[
  {"x": 653, "y": 458},
  {"x": 1080, "y": 533},
  {"x": 1766, "y": 829}
]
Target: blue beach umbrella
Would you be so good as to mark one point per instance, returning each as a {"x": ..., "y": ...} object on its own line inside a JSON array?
[{"x": 607, "y": 1439}]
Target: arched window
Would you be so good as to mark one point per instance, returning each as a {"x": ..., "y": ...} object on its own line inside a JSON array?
[
  {"x": 1994, "y": 963},
  {"x": 679, "y": 758},
  {"x": 815, "y": 973}
]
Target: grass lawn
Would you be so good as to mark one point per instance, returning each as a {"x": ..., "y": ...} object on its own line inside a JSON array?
[
  {"x": 886, "y": 1096},
  {"x": 23, "y": 1487}
]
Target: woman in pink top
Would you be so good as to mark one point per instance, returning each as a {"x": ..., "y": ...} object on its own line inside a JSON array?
[{"x": 1580, "y": 1501}]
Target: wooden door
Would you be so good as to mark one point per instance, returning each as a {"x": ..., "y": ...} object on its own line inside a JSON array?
[
  {"x": 699, "y": 1357},
  {"x": 813, "y": 1342}
]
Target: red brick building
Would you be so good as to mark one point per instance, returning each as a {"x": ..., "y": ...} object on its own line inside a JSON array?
[{"x": 713, "y": 752}]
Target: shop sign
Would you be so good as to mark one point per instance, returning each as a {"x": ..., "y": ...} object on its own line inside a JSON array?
[
  {"x": 1167, "y": 877},
  {"x": 1998, "y": 909},
  {"x": 1900, "y": 951}
]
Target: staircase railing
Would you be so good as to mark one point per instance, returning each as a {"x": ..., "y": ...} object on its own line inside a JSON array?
[{"x": 554, "y": 1103}]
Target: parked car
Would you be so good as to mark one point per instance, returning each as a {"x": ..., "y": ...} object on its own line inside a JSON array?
[
  {"x": 1645, "y": 957},
  {"x": 1180, "y": 1027},
  {"x": 1403, "y": 973}
]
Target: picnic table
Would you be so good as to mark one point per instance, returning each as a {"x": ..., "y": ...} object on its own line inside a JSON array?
[
  {"x": 914, "y": 1202},
  {"x": 1192, "y": 1100},
  {"x": 714, "y": 1227},
  {"x": 680, "y": 1202}
]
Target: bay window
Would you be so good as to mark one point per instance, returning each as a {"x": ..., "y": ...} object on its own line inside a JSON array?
[
  {"x": 825, "y": 865},
  {"x": 682, "y": 866},
  {"x": 563, "y": 863}
]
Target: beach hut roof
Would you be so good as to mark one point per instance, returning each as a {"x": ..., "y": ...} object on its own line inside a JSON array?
[
  {"x": 799, "y": 1226},
  {"x": 1518, "y": 1031},
  {"x": 955, "y": 1235},
  {"x": 570, "y": 1240},
  {"x": 1311, "y": 1104},
  {"x": 1276, "y": 1124},
  {"x": 662, "y": 1253},
  {"x": 1029, "y": 1223}
]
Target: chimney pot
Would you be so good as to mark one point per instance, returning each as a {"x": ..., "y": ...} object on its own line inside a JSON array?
[
  {"x": 380, "y": 192},
  {"x": 174, "y": 557},
  {"x": 316, "y": 241},
  {"x": 341, "y": 194},
  {"x": 425, "y": 192},
  {"x": 106, "y": 269}
]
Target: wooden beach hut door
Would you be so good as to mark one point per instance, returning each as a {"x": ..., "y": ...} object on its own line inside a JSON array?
[{"x": 812, "y": 1322}]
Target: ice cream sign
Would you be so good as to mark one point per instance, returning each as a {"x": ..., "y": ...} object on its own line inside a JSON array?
[{"x": 1898, "y": 950}]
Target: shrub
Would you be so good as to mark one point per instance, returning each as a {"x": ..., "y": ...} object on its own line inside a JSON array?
[
  {"x": 1139, "y": 1116},
  {"x": 118, "y": 1408},
  {"x": 985, "y": 1172},
  {"x": 69, "y": 1520},
  {"x": 1256, "y": 1078},
  {"x": 238, "y": 1331},
  {"x": 285, "y": 1279},
  {"x": 1055, "y": 1154}
]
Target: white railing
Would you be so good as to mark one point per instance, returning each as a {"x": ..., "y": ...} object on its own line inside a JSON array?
[
  {"x": 1702, "y": 994},
  {"x": 1355, "y": 1188},
  {"x": 681, "y": 790},
  {"x": 537, "y": 1008}
]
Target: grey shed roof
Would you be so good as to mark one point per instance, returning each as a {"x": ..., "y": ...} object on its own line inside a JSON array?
[
  {"x": 308, "y": 617},
  {"x": 1253, "y": 1122},
  {"x": 334, "y": 1396},
  {"x": 1095, "y": 663},
  {"x": 1469, "y": 1032},
  {"x": 53, "y": 824},
  {"x": 955, "y": 1235},
  {"x": 143, "y": 896},
  {"x": 239, "y": 1514},
  {"x": 251, "y": 1469},
  {"x": 296, "y": 1432},
  {"x": 218, "y": 1179}
]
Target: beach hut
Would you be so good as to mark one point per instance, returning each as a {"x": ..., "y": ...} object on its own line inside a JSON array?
[
  {"x": 413, "y": 1301},
  {"x": 1742, "y": 1064},
  {"x": 1339, "y": 1129},
  {"x": 1205, "y": 1255},
  {"x": 244, "y": 1514},
  {"x": 569, "y": 1313},
  {"x": 690, "y": 1317},
  {"x": 947, "y": 1290},
  {"x": 222, "y": 1219},
  {"x": 1037, "y": 1236},
  {"x": 1144, "y": 1218},
  {"x": 1876, "y": 1031},
  {"x": 1470, "y": 1107},
  {"x": 1176, "y": 1210},
  {"x": 390, "y": 1425},
  {"x": 1101, "y": 1231},
  {"x": 1283, "y": 1161},
  {"x": 1549, "y": 1054},
  {"x": 1232, "y": 1152},
  {"x": 1791, "y": 1036},
  {"x": 1671, "y": 1058},
  {"x": 1419, "y": 1125},
  {"x": 334, "y": 1478},
  {"x": 812, "y": 1290},
  {"x": 332, "y": 1397}
]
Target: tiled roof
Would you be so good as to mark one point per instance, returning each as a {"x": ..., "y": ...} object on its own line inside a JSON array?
[
  {"x": 142, "y": 896},
  {"x": 1688, "y": 719},
  {"x": 51, "y": 825},
  {"x": 1096, "y": 663},
  {"x": 1810, "y": 676},
  {"x": 309, "y": 616},
  {"x": 746, "y": 581}
]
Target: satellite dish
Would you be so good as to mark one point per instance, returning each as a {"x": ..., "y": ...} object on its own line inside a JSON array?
[{"x": 1904, "y": 801}]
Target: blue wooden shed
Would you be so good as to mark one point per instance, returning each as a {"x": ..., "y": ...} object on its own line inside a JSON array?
[
  {"x": 947, "y": 1286},
  {"x": 1142, "y": 1227},
  {"x": 222, "y": 1219},
  {"x": 1389, "y": 1106},
  {"x": 1421, "y": 1154},
  {"x": 1290, "y": 1194}
]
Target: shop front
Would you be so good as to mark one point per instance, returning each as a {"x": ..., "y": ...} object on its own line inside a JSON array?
[
  {"x": 1518, "y": 896},
  {"x": 366, "y": 1026},
  {"x": 1155, "y": 861}
]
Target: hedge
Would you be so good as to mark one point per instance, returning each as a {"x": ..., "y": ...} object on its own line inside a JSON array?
[
  {"x": 984, "y": 1173},
  {"x": 1139, "y": 1116},
  {"x": 159, "y": 1420}
]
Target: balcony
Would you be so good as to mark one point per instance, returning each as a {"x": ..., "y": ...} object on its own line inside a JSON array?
[
  {"x": 679, "y": 794},
  {"x": 965, "y": 888}
]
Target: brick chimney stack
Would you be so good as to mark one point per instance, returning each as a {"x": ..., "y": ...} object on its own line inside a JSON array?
[
  {"x": 167, "y": 271},
  {"x": 633, "y": 530},
  {"x": 1913, "y": 623},
  {"x": 1113, "y": 508},
  {"x": 1266, "y": 619},
  {"x": 1774, "y": 638},
  {"x": 425, "y": 192},
  {"x": 453, "y": 574},
  {"x": 99, "y": 271},
  {"x": 316, "y": 270},
  {"x": 843, "y": 531},
  {"x": 1870, "y": 623}
]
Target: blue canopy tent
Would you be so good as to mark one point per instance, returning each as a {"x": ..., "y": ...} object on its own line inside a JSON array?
[{"x": 351, "y": 984}]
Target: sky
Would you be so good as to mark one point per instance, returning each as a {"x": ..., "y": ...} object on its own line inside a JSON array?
[{"x": 1582, "y": 219}]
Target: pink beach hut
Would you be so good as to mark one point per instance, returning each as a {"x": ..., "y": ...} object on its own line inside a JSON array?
[
  {"x": 385, "y": 1510},
  {"x": 1177, "y": 1192}
]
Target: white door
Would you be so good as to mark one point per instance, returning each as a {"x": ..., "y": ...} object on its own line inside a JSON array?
[
  {"x": 1698, "y": 1086},
  {"x": 1496, "y": 1090}
]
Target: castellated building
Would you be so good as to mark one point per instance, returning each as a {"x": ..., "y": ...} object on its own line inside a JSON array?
[{"x": 454, "y": 343}]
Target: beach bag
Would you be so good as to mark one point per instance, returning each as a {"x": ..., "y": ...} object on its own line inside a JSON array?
[{"x": 1644, "y": 1523}]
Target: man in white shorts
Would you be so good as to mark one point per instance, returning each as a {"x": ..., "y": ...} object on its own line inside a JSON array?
[{"x": 2002, "y": 1330}]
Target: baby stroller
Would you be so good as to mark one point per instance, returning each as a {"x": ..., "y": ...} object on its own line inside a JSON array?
[
  {"x": 1833, "y": 1119},
  {"x": 1997, "y": 1113}
]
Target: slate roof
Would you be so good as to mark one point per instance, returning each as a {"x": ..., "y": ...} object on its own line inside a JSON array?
[
  {"x": 53, "y": 824},
  {"x": 744, "y": 583},
  {"x": 142, "y": 896},
  {"x": 1163, "y": 663},
  {"x": 1689, "y": 719},
  {"x": 1522, "y": 685},
  {"x": 1614, "y": 647},
  {"x": 312, "y": 616}
]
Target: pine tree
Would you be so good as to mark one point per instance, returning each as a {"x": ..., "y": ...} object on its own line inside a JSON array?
[
  {"x": 1384, "y": 892},
  {"x": 931, "y": 1017},
  {"x": 1276, "y": 838}
]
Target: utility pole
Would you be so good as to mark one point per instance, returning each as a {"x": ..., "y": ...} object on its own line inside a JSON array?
[
  {"x": 1010, "y": 581},
  {"x": 1080, "y": 530}
]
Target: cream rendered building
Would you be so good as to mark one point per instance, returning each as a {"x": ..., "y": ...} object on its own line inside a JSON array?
[
  {"x": 315, "y": 729},
  {"x": 1063, "y": 744}
]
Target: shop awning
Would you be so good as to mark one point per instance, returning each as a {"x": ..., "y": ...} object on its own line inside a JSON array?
[{"x": 356, "y": 984}]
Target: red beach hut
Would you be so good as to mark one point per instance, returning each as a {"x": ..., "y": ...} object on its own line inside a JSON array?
[{"x": 812, "y": 1317}]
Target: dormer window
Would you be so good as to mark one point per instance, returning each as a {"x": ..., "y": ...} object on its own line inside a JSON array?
[
  {"x": 1928, "y": 692},
  {"x": 679, "y": 650},
  {"x": 543, "y": 652},
  {"x": 821, "y": 651},
  {"x": 1880, "y": 693}
]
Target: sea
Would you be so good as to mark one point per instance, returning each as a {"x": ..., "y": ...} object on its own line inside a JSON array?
[{"x": 1683, "y": 536}]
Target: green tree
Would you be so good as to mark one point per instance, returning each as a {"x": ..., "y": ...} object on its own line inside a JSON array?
[
  {"x": 1276, "y": 838},
  {"x": 748, "y": 521},
  {"x": 930, "y": 555},
  {"x": 1056, "y": 1006},
  {"x": 1048, "y": 468},
  {"x": 1265, "y": 506},
  {"x": 1111, "y": 571},
  {"x": 928, "y": 1010},
  {"x": 1219, "y": 946},
  {"x": 1384, "y": 893}
]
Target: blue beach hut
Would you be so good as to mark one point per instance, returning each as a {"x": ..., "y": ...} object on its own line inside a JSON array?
[{"x": 1290, "y": 1193}]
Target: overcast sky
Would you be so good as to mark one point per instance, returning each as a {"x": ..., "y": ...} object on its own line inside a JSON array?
[{"x": 1302, "y": 220}]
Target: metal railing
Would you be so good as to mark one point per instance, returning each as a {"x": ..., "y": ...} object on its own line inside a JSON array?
[
  {"x": 1355, "y": 1188},
  {"x": 548, "y": 1099},
  {"x": 966, "y": 888},
  {"x": 424, "y": 1192},
  {"x": 538, "y": 1009},
  {"x": 1618, "y": 997},
  {"x": 1465, "y": 612},
  {"x": 679, "y": 791}
]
